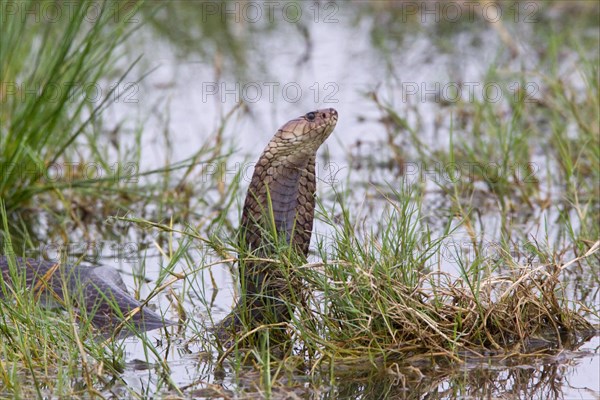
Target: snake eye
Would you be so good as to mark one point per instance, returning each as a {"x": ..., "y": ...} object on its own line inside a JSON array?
[{"x": 310, "y": 116}]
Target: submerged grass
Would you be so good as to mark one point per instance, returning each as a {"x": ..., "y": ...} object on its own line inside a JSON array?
[
  {"x": 61, "y": 354},
  {"x": 378, "y": 297},
  {"x": 375, "y": 299},
  {"x": 371, "y": 311},
  {"x": 47, "y": 103},
  {"x": 50, "y": 125}
]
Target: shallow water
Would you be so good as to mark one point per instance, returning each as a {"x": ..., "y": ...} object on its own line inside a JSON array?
[
  {"x": 343, "y": 64},
  {"x": 334, "y": 65}
]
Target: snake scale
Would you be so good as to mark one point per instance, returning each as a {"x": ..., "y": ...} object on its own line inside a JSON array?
[
  {"x": 98, "y": 290},
  {"x": 280, "y": 203}
]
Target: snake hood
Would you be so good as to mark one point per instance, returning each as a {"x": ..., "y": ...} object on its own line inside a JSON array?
[{"x": 285, "y": 175}]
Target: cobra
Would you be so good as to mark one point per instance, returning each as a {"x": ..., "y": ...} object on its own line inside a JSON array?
[{"x": 280, "y": 201}]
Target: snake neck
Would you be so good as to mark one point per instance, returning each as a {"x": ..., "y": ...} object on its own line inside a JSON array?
[{"x": 281, "y": 197}]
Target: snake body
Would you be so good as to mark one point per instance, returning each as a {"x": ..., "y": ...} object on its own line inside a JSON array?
[
  {"x": 98, "y": 290},
  {"x": 279, "y": 206},
  {"x": 280, "y": 201}
]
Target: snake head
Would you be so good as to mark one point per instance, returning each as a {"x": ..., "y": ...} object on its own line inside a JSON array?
[{"x": 304, "y": 135}]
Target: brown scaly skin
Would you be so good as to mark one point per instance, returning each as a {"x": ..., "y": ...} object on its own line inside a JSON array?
[
  {"x": 98, "y": 290},
  {"x": 285, "y": 174}
]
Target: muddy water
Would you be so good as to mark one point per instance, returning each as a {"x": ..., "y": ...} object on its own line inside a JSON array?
[{"x": 332, "y": 59}]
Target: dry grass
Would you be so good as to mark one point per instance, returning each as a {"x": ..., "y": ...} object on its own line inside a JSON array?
[{"x": 522, "y": 313}]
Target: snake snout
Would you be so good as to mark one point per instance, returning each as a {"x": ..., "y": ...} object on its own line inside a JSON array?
[{"x": 326, "y": 113}]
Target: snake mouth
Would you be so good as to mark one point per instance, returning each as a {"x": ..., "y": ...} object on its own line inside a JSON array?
[
  {"x": 324, "y": 114},
  {"x": 324, "y": 122}
]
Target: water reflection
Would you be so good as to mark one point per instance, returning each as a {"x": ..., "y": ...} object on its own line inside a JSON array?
[
  {"x": 377, "y": 56},
  {"x": 377, "y": 63}
]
